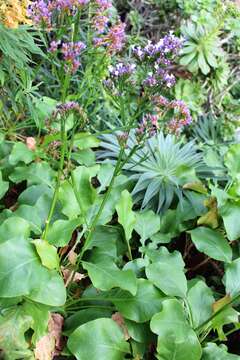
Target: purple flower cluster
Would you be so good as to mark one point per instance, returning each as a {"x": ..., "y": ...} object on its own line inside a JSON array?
[
  {"x": 181, "y": 113},
  {"x": 101, "y": 17},
  {"x": 63, "y": 109},
  {"x": 71, "y": 52},
  {"x": 148, "y": 126},
  {"x": 169, "y": 44},
  {"x": 113, "y": 40},
  {"x": 121, "y": 70},
  {"x": 160, "y": 77},
  {"x": 159, "y": 56},
  {"x": 67, "y": 4},
  {"x": 42, "y": 11},
  {"x": 104, "y": 4}
]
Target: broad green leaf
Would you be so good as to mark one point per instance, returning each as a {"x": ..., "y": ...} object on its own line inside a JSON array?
[
  {"x": 14, "y": 227},
  {"x": 47, "y": 253},
  {"x": 44, "y": 108},
  {"x": 84, "y": 157},
  {"x": 105, "y": 175},
  {"x": 35, "y": 173},
  {"x": 176, "y": 339},
  {"x": 232, "y": 161},
  {"x": 31, "y": 195},
  {"x": 83, "y": 316},
  {"x": 230, "y": 213},
  {"x": 105, "y": 275},
  {"x": 232, "y": 278},
  {"x": 3, "y": 186},
  {"x": 43, "y": 206},
  {"x": 196, "y": 186},
  {"x": 24, "y": 275},
  {"x": 100, "y": 339},
  {"x": 212, "y": 243},
  {"x": 50, "y": 290},
  {"x": 40, "y": 317},
  {"x": 214, "y": 352},
  {"x": 160, "y": 238},
  {"x": 200, "y": 300},
  {"x": 147, "y": 224},
  {"x": 20, "y": 152},
  {"x": 86, "y": 192},
  {"x": 109, "y": 208},
  {"x": 105, "y": 237},
  {"x": 126, "y": 217},
  {"x": 13, "y": 325},
  {"x": 85, "y": 141},
  {"x": 70, "y": 206},
  {"x": 30, "y": 214},
  {"x": 60, "y": 232},
  {"x": 167, "y": 273},
  {"x": 203, "y": 64},
  {"x": 143, "y": 305}
]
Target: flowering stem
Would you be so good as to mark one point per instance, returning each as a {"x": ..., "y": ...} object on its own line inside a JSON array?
[
  {"x": 105, "y": 198},
  {"x": 60, "y": 170}
]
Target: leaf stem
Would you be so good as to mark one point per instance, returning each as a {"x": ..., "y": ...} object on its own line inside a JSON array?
[{"x": 200, "y": 327}]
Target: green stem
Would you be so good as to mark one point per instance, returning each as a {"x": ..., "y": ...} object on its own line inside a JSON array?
[
  {"x": 77, "y": 196},
  {"x": 60, "y": 170},
  {"x": 189, "y": 311},
  {"x": 105, "y": 198},
  {"x": 226, "y": 334},
  {"x": 200, "y": 327}
]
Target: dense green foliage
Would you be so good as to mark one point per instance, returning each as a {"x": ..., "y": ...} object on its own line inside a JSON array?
[{"x": 120, "y": 181}]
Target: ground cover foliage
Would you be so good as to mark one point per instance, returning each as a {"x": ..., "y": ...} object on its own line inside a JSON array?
[{"x": 119, "y": 180}]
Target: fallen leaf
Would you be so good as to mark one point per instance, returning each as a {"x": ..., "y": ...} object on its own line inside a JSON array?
[
  {"x": 117, "y": 317},
  {"x": 72, "y": 257},
  {"x": 50, "y": 345},
  {"x": 45, "y": 348},
  {"x": 69, "y": 276}
]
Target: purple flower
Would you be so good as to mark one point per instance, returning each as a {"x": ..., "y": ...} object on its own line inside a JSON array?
[
  {"x": 54, "y": 46},
  {"x": 148, "y": 126},
  {"x": 172, "y": 44},
  {"x": 71, "y": 52},
  {"x": 169, "y": 45},
  {"x": 100, "y": 22},
  {"x": 67, "y": 4},
  {"x": 104, "y": 4},
  {"x": 40, "y": 12},
  {"x": 114, "y": 40},
  {"x": 64, "y": 108},
  {"x": 121, "y": 70},
  {"x": 150, "y": 81}
]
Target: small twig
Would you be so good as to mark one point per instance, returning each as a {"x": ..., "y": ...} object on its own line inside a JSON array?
[{"x": 205, "y": 261}]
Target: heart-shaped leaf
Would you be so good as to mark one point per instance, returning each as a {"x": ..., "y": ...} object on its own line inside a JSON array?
[
  {"x": 98, "y": 339},
  {"x": 176, "y": 339},
  {"x": 212, "y": 243}
]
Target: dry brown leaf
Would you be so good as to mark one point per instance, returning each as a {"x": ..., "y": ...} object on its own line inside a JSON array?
[
  {"x": 31, "y": 143},
  {"x": 72, "y": 257},
  {"x": 117, "y": 317},
  {"x": 45, "y": 348},
  {"x": 69, "y": 276},
  {"x": 50, "y": 345}
]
